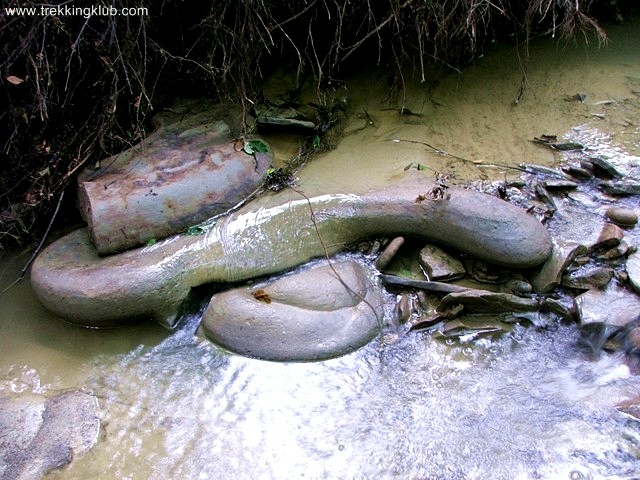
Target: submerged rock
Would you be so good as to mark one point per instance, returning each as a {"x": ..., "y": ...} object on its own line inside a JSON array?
[
  {"x": 316, "y": 314},
  {"x": 271, "y": 235},
  {"x": 614, "y": 306},
  {"x": 39, "y": 434}
]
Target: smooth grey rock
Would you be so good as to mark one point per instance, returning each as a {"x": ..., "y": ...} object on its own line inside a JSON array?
[
  {"x": 307, "y": 316},
  {"x": 270, "y": 235},
  {"x": 625, "y": 217},
  {"x": 550, "y": 275},
  {"x": 633, "y": 270},
  {"x": 483, "y": 301},
  {"x": 40, "y": 434},
  {"x": 588, "y": 277},
  {"x": 439, "y": 265},
  {"x": 614, "y": 306},
  {"x": 621, "y": 187}
]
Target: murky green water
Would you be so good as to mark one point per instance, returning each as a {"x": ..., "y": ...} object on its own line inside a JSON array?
[{"x": 526, "y": 405}]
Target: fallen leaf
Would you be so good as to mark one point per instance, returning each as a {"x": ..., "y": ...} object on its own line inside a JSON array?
[{"x": 15, "y": 80}]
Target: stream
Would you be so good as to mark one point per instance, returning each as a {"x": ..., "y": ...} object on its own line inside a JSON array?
[{"x": 521, "y": 405}]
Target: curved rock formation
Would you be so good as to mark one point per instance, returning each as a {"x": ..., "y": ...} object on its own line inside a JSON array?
[
  {"x": 271, "y": 235},
  {"x": 311, "y": 315}
]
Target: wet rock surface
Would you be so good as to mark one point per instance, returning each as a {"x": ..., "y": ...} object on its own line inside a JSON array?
[
  {"x": 316, "y": 314},
  {"x": 39, "y": 434}
]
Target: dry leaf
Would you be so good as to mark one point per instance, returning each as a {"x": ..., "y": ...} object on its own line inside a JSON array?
[{"x": 15, "y": 80}]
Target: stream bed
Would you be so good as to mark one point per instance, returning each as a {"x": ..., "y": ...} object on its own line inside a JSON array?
[{"x": 526, "y": 404}]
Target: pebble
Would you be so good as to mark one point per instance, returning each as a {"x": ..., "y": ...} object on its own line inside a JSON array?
[{"x": 625, "y": 217}]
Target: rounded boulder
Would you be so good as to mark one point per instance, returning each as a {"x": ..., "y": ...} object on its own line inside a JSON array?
[{"x": 316, "y": 314}]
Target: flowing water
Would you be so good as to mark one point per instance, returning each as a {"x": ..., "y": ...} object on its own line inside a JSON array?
[{"x": 528, "y": 404}]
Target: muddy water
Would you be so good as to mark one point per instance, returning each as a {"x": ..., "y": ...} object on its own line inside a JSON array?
[{"x": 526, "y": 405}]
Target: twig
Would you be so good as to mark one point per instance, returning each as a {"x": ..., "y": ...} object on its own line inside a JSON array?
[
  {"x": 38, "y": 248},
  {"x": 328, "y": 258},
  {"x": 355, "y": 46}
]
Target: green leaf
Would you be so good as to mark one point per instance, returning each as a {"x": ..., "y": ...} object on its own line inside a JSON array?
[
  {"x": 253, "y": 146},
  {"x": 315, "y": 143},
  {"x": 151, "y": 241}
]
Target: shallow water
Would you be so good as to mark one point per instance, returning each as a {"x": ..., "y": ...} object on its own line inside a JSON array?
[{"x": 526, "y": 405}]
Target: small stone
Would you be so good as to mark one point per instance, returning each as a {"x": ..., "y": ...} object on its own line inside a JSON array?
[
  {"x": 550, "y": 275},
  {"x": 613, "y": 253},
  {"x": 578, "y": 172},
  {"x": 485, "y": 273},
  {"x": 556, "y": 306},
  {"x": 633, "y": 271},
  {"x": 483, "y": 301},
  {"x": 587, "y": 278},
  {"x": 605, "y": 168},
  {"x": 625, "y": 217},
  {"x": 519, "y": 287},
  {"x": 559, "y": 184},
  {"x": 389, "y": 252},
  {"x": 403, "y": 308},
  {"x": 610, "y": 236},
  {"x": 439, "y": 265},
  {"x": 473, "y": 325},
  {"x": 621, "y": 187}
]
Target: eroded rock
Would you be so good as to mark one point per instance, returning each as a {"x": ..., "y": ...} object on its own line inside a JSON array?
[
  {"x": 310, "y": 315},
  {"x": 39, "y": 434},
  {"x": 610, "y": 236},
  {"x": 179, "y": 176},
  {"x": 271, "y": 235}
]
